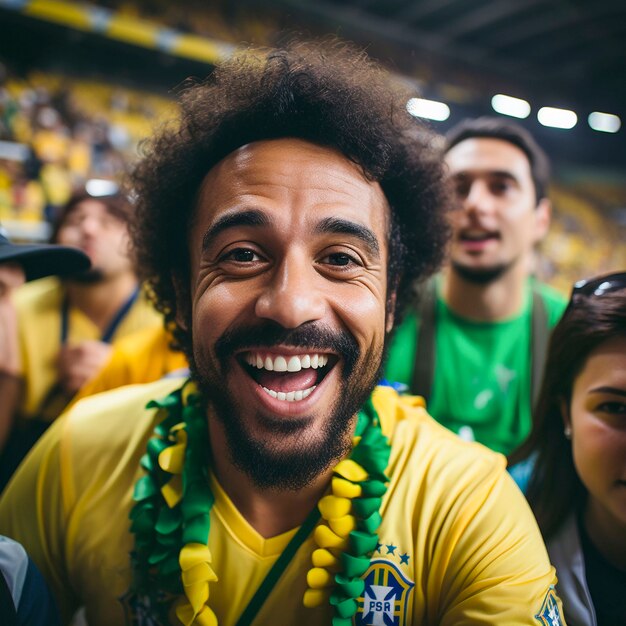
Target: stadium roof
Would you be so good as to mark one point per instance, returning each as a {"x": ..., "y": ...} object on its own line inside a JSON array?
[
  {"x": 574, "y": 49},
  {"x": 551, "y": 53}
]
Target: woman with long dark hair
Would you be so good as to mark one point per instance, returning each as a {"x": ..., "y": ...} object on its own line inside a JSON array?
[{"x": 577, "y": 447}]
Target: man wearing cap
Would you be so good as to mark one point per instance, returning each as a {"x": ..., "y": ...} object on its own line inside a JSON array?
[
  {"x": 66, "y": 325},
  {"x": 20, "y": 263}
]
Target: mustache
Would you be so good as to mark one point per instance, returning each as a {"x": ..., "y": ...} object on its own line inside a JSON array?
[{"x": 311, "y": 335}]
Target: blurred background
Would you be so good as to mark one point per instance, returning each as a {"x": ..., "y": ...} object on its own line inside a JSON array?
[{"x": 82, "y": 83}]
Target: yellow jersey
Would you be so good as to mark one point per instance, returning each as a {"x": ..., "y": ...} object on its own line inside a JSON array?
[
  {"x": 142, "y": 357},
  {"x": 458, "y": 543},
  {"x": 39, "y": 306}
]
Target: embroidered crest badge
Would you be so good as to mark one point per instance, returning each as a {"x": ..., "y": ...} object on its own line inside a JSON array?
[
  {"x": 549, "y": 615},
  {"x": 388, "y": 596}
]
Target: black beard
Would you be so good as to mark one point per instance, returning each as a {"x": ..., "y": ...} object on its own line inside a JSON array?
[
  {"x": 482, "y": 276},
  {"x": 91, "y": 276},
  {"x": 271, "y": 467}
]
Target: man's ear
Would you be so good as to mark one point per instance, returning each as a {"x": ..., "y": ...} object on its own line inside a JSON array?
[
  {"x": 543, "y": 215},
  {"x": 183, "y": 302}
]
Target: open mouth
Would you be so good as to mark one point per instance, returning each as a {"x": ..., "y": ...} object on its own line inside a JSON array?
[
  {"x": 477, "y": 236},
  {"x": 287, "y": 377}
]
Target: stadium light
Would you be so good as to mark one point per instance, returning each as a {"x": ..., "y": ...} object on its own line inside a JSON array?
[
  {"x": 429, "y": 109},
  {"x": 508, "y": 105},
  {"x": 604, "y": 122},
  {"x": 557, "y": 118},
  {"x": 98, "y": 187}
]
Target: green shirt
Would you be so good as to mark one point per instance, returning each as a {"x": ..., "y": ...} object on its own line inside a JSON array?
[{"x": 482, "y": 379}]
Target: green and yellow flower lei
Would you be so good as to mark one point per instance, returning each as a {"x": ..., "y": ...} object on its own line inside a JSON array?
[{"x": 171, "y": 518}]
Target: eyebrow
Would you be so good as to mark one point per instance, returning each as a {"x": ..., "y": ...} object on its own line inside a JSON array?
[
  {"x": 346, "y": 227},
  {"x": 250, "y": 217},
  {"x": 492, "y": 173},
  {"x": 614, "y": 390}
]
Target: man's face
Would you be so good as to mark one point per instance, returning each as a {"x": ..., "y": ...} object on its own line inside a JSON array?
[
  {"x": 102, "y": 236},
  {"x": 288, "y": 293},
  {"x": 498, "y": 221}
]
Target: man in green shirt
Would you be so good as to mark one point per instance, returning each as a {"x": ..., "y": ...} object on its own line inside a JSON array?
[{"x": 473, "y": 344}]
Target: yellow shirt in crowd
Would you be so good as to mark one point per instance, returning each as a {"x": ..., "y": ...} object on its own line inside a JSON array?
[
  {"x": 39, "y": 305},
  {"x": 458, "y": 543},
  {"x": 142, "y": 357}
]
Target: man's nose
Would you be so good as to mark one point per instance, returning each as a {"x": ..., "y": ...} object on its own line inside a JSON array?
[
  {"x": 293, "y": 295},
  {"x": 90, "y": 225},
  {"x": 479, "y": 198}
]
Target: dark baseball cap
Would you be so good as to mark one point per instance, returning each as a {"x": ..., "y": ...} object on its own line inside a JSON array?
[{"x": 39, "y": 260}]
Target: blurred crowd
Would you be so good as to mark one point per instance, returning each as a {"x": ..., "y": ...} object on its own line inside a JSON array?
[
  {"x": 61, "y": 131},
  {"x": 57, "y": 132}
]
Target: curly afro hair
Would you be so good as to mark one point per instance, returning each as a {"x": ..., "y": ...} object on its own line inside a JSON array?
[{"x": 326, "y": 92}]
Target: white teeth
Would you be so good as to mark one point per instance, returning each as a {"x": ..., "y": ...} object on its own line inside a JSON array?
[
  {"x": 294, "y": 364},
  {"x": 290, "y": 396},
  {"x": 280, "y": 364},
  {"x": 286, "y": 364}
]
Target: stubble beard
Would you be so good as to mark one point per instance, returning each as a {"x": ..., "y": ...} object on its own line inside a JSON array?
[
  {"x": 92, "y": 276},
  {"x": 272, "y": 464},
  {"x": 481, "y": 275}
]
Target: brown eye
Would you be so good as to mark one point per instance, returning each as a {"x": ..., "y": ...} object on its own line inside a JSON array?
[
  {"x": 341, "y": 259},
  {"x": 461, "y": 189},
  {"x": 500, "y": 187},
  {"x": 241, "y": 255},
  {"x": 616, "y": 408}
]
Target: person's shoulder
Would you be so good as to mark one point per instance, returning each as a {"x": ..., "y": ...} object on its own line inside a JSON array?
[
  {"x": 128, "y": 396},
  {"x": 39, "y": 294},
  {"x": 117, "y": 414},
  {"x": 425, "y": 444},
  {"x": 444, "y": 477},
  {"x": 144, "y": 341},
  {"x": 102, "y": 438}
]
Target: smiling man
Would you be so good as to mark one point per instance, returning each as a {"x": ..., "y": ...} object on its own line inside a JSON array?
[
  {"x": 482, "y": 327},
  {"x": 67, "y": 326},
  {"x": 281, "y": 224}
]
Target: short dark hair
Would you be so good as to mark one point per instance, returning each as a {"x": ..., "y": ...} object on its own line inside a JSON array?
[
  {"x": 325, "y": 92},
  {"x": 555, "y": 491},
  {"x": 513, "y": 133},
  {"x": 116, "y": 204}
]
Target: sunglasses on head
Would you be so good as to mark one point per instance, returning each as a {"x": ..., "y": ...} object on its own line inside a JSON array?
[{"x": 597, "y": 286}]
